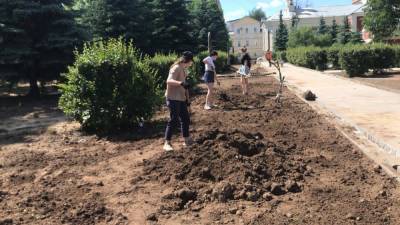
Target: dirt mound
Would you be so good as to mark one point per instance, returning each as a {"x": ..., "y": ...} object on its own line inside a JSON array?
[{"x": 224, "y": 166}]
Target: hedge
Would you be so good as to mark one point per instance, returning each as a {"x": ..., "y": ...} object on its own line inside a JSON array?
[
  {"x": 354, "y": 59},
  {"x": 359, "y": 59},
  {"x": 161, "y": 64},
  {"x": 332, "y": 54},
  {"x": 310, "y": 57},
  {"x": 397, "y": 58}
]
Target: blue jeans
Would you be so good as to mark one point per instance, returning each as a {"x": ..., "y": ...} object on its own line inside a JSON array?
[{"x": 178, "y": 112}]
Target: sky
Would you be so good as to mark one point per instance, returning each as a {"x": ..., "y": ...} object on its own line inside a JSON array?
[{"x": 234, "y": 9}]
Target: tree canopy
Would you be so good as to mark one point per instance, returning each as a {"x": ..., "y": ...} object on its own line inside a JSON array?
[
  {"x": 38, "y": 39},
  {"x": 382, "y": 17},
  {"x": 281, "y": 36},
  {"x": 257, "y": 14}
]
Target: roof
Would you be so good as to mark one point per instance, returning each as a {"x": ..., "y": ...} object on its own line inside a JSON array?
[
  {"x": 323, "y": 11},
  {"x": 245, "y": 17}
]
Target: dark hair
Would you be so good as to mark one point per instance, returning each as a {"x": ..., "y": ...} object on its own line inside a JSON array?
[
  {"x": 185, "y": 58},
  {"x": 214, "y": 53},
  {"x": 244, "y": 50}
]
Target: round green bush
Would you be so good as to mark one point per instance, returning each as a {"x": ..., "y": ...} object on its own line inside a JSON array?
[{"x": 109, "y": 87}]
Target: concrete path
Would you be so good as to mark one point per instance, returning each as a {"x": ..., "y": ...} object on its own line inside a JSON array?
[{"x": 372, "y": 111}]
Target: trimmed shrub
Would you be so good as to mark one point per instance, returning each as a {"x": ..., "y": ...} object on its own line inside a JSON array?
[
  {"x": 332, "y": 54},
  {"x": 397, "y": 58},
  {"x": 310, "y": 57},
  {"x": 109, "y": 87},
  {"x": 381, "y": 56},
  {"x": 359, "y": 59},
  {"x": 354, "y": 59},
  {"x": 161, "y": 65}
]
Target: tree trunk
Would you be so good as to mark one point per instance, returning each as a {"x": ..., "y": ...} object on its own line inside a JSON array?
[{"x": 33, "y": 86}]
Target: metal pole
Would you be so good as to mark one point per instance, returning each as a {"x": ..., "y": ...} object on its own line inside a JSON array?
[{"x": 209, "y": 42}]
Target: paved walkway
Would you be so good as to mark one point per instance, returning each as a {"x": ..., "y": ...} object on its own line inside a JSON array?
[{"x": 374, "y": 112}]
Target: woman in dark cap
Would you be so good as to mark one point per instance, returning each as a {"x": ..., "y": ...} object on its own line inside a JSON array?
[{"x": 177, "y": 96}]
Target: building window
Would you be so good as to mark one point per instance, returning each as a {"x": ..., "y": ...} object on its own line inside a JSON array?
[
  {"x": 260, "y": 30},
  {"x": 238, "y": 43},
  {"x": 247, "y": 30},
  {"x": 255, "y": 29},
  {"x": 238, "y": 31},
  {"x": 247, "y": 43}
]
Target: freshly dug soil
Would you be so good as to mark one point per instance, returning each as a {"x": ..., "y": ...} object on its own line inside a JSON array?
[{"x": 253, "y": 162}]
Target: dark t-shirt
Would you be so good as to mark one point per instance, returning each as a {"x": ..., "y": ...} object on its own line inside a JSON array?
[{"x": 246, "y": 60}]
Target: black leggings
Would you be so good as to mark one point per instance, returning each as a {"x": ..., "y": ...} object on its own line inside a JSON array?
[{"x": 178, "y": 111}]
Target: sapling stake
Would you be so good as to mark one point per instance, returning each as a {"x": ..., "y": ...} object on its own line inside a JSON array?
[{"x": 281, "y": 77}]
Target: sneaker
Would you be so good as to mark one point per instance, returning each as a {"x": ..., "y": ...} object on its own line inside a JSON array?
[
  {"x": 188, "y": 142},
  {"x": 168, "y": 147},
  {"x": 207, "y": 107}
]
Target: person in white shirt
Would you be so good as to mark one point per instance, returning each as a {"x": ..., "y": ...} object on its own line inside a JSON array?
[{"x": 209, "y": 78}]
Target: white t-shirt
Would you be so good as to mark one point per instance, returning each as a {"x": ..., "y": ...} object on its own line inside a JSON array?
[{"x": 209, "y": 61}]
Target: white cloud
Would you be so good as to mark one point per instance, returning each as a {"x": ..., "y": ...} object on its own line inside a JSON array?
[
  {"x": 270, "y": 4},
  {"x": 276, "y": 3},
  {"x": 235, "y": 14}
]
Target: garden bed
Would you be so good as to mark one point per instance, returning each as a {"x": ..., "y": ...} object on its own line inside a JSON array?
[{"x": 254, "y": 162}]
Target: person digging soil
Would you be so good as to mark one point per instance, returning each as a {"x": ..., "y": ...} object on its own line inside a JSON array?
[{"x": 177, "y": 95}]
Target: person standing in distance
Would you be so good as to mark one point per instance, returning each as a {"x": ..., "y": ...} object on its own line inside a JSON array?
[
  {"x": 209, "y": 78},
  {"x": 244, "y": 71},
  {"x": 177, "y": 96}
]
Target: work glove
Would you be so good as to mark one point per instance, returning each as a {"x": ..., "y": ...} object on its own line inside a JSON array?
[{"x": 185, "y": 85}]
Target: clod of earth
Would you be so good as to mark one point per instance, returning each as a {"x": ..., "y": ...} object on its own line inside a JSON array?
[{"x": 309, "y": 96}]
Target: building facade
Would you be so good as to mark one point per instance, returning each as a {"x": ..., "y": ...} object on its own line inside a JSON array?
[
  {"x": 246, "y": 32},
  {"x": 310, "y": 17}
]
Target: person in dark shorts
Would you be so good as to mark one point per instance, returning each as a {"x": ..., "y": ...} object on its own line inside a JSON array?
[
  {"x": 244, "y": 71},
  {"x": 209, "y": 78},
  {"x": 177, "y": 96}
]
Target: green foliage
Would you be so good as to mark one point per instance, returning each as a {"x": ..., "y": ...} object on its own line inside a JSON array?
[
  {"x": 294, "y": 21},
  {"x": 131, "y": 19},
  {"x": 397, "y": 58},
  {"x": 257, "y": 14},
  {"x": 354, "y": 60},
  {"x": 281, "y": 56},
  {"x": 171, "y": 26},
  {"x": 109, "y": 87},
  {"x": 207, "y": 17},
  {"x": 345, "y": 32},
  {"x": 381, "y": 56},
  {"x": 38, "y": 38},
  {"x": 356, "y": 38},
  {"x": 161, "y": 65},
  {"x": 334, "y": 30},
  {"x": 306, "y": 36},
  {"x": 382, "y": 17},
  {"x": 323, "y": 40},
  {"x": 358, "y": 59},
  {"x": 310, "y": 57},
  {"x": 323, "y": 28},
  {"x": 221, "y": 64},
  {"x": 303, "y": 36},
  {"x": 332, "y": 54},
  {"x": 281, "y": 36}
]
